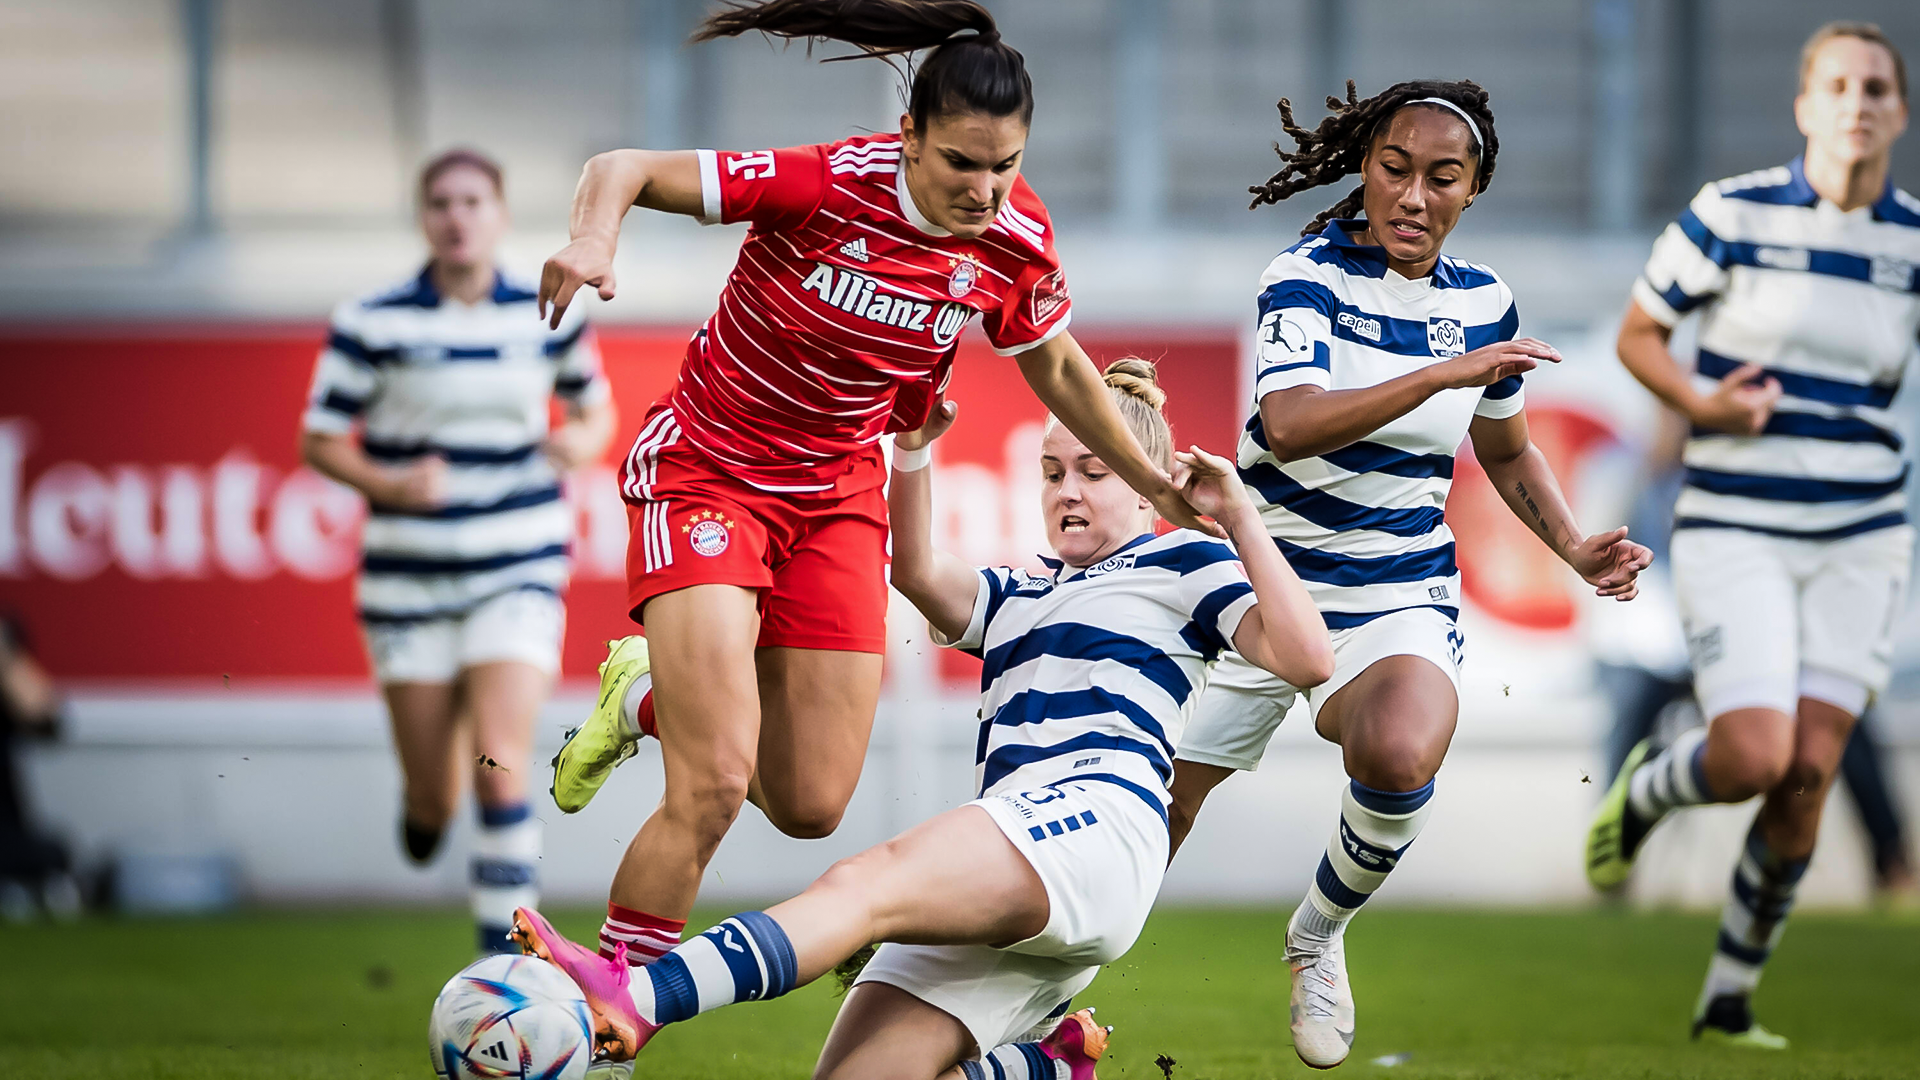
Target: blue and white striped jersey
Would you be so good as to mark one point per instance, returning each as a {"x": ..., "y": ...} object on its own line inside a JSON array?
[
  {"x": 426, "y": 375},
  {"x": 1829, "y": 303},
  {"x": 1364, "y": 526},
  {"x": 1090, "y": 674}
]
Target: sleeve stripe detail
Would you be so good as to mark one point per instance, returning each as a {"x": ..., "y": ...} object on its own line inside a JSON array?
[
  {"x": 709, "y": 186},
  {"x": 1052, "y": 332},
  {"x": 344, "y": 404},
  {"x": 1505, "y": 388},
  {"x": 358, "y": 351}
]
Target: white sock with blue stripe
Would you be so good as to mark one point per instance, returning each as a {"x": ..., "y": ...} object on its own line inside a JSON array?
[
  {"x": 1016, "y": 1061},
  {"x": 746, "y": 958},
  {"x": 1759, "y": 898},
  {"x": 1375, "y": 829},
  {"x": 1674, "y": 778},
  {"x": 504, "y": 876}
]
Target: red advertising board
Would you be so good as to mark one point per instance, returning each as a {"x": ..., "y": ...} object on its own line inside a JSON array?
[{"x": 155, "y": 524}]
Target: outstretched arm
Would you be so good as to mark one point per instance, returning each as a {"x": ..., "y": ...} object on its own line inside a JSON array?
[
  {"x": 1305, "y": 421},
  {"x": 1608, "y": 561},
  {"x": 942, "y": 586},
  {"x": 1284, "y": 632},
  {"x": 1067, "y": 383},
  {"x": 666, "y": 180}
]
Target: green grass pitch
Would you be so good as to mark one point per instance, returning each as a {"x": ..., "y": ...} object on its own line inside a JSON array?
[{"x": 1465, "y": 994}]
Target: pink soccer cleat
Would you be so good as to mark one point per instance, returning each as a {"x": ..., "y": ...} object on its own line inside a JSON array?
[
  {"x": 1079, "y": 1042},
  {"x": 618, "y": 1030}
]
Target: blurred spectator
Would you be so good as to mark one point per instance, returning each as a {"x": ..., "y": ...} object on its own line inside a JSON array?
[{"x": 35, "y": 868}]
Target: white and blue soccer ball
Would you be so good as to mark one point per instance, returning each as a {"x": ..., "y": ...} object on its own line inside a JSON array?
[{"x": 515, "y": 1017}]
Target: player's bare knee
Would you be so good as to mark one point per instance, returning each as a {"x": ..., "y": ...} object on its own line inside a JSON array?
[
  {"x": 708, "y": 804},
  {"x": 807, "y": 821},
  {"x": 1806, "y": 776},
  {"x": 1393, "y": 763}
]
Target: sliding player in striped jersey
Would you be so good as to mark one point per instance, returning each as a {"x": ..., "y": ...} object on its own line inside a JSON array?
[
  {"x": 1378, "y": 354},
  {"x": 1791, "y": 545},
  {"x": 758, "y": 545},
  {"x": 449, "y": 378},
  {"x": 1014, "y": 900}
]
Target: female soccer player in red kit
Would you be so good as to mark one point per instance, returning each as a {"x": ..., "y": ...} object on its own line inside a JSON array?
[{"x": 759, "y": 526}]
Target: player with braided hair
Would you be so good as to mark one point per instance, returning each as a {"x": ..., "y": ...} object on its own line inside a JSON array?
[{"x": 1377, "y": 355}]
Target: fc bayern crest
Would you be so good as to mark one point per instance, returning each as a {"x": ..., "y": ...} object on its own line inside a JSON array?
[
  {"x": 961, "y": 282},
  {"x": 1445, "y": 337},
  {"x": 708, "y": 537}
]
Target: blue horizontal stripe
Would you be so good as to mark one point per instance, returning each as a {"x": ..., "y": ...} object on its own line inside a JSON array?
[
  {"x": 1206, "y": 614},
  {"x": 1334, "y": 513},
  {"x": 1390, "y": 802},
  {"x": 471, "y": 352},
  {"x": 1680, "y": 300},
  {"x": 344, "y": 404},
  {"x": 519, "y": 500},
  {"x": 1503, "y": 389},
  {"x": 1332, "y": 568},
  {"x": 502, "y": 873},
  {"x": 1810, "y": 387},
  {"x": 1804, "y": 489},
  {"x": 556, "y": 346},
  {"x": 1836, "y": 264},
  {"x": 384, "y": 450},
  {"x": 1365, "y": 457},
  {"x": 1347, "y": 620},
  {"x": 1879, "y": 521},
  {"x": 1768, "y": 905},
  {"x": 1145, "y": 795},
  {"x": 420, "y": 564},
  {"x": 373, "y": 617},
  {"x": 1746, "y": 954},
  {"x": 1799, "y": 425},
  {"x": 1402, "y": 337},
  {"x": 1038, "y": 706},
  {"x": 1186, "y": 558},
  {"x": 1336, "y": 890},
  {"x": 354, "y": 349},
  {"x": 1083, "y": 642},
  {"x": 1006, "y": 759},
  {"x": 506, "y": 292}
]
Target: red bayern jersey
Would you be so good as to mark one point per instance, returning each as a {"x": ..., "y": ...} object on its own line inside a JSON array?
[{"x": 844, "y": 308}]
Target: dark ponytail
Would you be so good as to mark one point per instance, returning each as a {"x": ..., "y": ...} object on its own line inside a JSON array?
[
  {"x": 975, "y": 73},
  {"x": 1338, "y": 146}
]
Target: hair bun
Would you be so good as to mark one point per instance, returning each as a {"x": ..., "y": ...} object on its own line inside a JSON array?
[{"x": 1136, "y": 378}]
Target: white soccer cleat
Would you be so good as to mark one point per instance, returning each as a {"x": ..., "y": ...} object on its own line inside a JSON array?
[{"x": 1321, "y": 1008}]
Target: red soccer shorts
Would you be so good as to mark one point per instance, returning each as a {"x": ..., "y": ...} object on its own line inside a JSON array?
[{"x": 819, "y": 564}]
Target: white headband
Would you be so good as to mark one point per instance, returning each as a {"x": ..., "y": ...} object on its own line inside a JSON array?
[{"x": 1458, "y": 111}]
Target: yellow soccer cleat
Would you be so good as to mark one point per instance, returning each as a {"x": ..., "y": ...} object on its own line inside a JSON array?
[
  {"x": 608, "y": 738},
  {"x": 1610, "y": 850},
  {"x": 1727, "y": 1020}
]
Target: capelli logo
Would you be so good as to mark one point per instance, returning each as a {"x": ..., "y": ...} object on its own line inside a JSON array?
[{"x": 1360, "y": 325}]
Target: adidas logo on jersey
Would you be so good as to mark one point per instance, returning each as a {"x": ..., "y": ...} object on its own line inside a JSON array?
[
  {"x": 857, "y": 294},
  {"x": 856, "y": 249}
]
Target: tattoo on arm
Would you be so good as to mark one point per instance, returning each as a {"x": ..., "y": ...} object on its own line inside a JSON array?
[{"x": 1533, "y": 508}]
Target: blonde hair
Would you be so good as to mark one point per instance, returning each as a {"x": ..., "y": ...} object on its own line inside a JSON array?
[
  {"x": 1865, "y": 31},
  {"x": 1135, "y": 385}
]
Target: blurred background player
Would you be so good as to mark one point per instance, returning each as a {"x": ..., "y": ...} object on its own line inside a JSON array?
[
  {"x": 448, "y": 379},
  {"x": 36, "y": 868},
  {"x": 758, "y": 524},
  {"x": 1013, "y": 901},
  {"x": 1351, "y": 454},
  {"x": 1791, "y": 548}
]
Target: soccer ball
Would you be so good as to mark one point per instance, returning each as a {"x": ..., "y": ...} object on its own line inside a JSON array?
[{"x": 510, "y": 1016}]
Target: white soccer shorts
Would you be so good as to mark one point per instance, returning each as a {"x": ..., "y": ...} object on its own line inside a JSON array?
[
  {"x": 1101, "y": 851},
  {"x": 1243, "y": 703},
  {"x": 526, "y": 625},
  {"x": 1771, "y": 619}
]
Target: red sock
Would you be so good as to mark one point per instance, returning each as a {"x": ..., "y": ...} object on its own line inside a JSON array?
[
  {"x": 647, "y": 937},
  {"x": 643, "y": 719}
]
